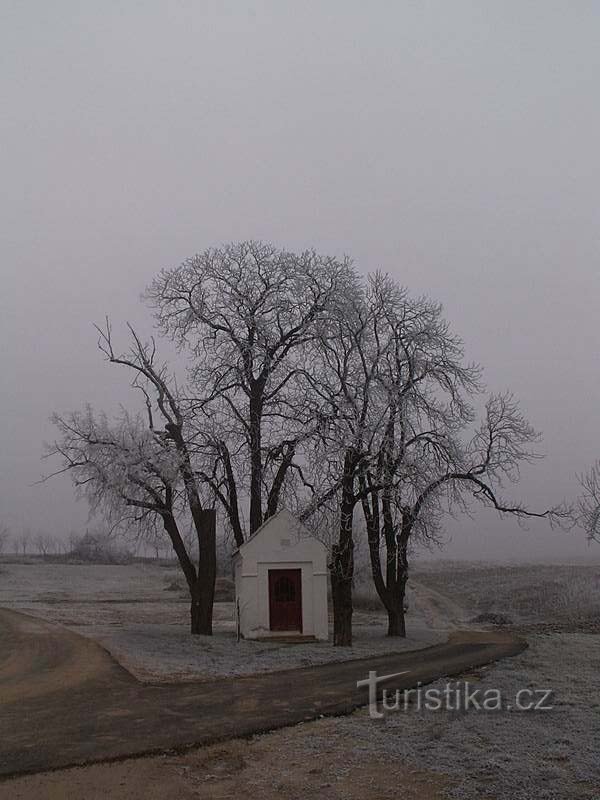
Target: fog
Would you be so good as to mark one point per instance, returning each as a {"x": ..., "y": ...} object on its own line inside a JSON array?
[{"x": 454, "y": 145}]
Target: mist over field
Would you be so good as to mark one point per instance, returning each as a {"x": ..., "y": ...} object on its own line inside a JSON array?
[{"x": 453, "y": 146}]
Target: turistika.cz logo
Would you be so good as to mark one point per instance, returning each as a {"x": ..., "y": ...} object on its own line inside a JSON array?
[{"x": 454, "y": 696}]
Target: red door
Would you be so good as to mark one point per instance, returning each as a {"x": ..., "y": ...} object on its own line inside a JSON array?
[{"x": 285, "y": 599}]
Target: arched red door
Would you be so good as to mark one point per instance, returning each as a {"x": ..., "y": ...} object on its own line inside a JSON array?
[{"x": 285, "y": 599}]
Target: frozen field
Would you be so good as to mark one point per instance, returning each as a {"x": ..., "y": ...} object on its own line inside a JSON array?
[
  {"x": 559, "y": 597},
  {"x": 550, "y": 755},
  {"x": 138, "y": 613},
  {"x": 537, "y": 755},
  {"x": 140, "y": 616}
]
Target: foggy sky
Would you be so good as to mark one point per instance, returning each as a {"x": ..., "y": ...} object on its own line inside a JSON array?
[{"x": 453, "y": 144}]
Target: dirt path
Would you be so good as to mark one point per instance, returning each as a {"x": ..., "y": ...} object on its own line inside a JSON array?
[
  {"x": 282, "y": 765},
  {"x": 38, "y": 658},
  {"x": 438, "y": 609},
  {"x": 64, "y": 701}
]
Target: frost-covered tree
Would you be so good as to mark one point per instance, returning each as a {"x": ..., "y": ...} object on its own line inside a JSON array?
[
  {"x": 143, "y": 464},
  {"x": 589, "y": 502},
  {"x": 4, "y": 537},
  {"x": 425, "y": 463},
  {"x": 24, "y": 540},
  {"x": 248, "y": 315},
  {"x": 245, "y": 316},
  {"x": 305, "y": 386},
  {"x": 343, "y": 380},
  {"x": 44, "y": 544},
  {"x": 398, "y": 400}
]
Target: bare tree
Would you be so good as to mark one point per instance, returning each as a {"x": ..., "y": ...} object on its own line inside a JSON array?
[
  {"x": 4, "y": 537},
  {"x": 73, "y": 540},
  {"x": 247, "y": 315},
  {"x": 99, "y": 546},
  {"x": 304, "y": 387},
  {"x": 343, "y": 378},
  {"x": 146, "y": 466},
  {"x": 397, "y": 397},
  {"x": 588, "y": 511},
  {"x": 423, "y": 466},
  {"x": 25, "y": 538},
  {"x": 156, "y": 542},
  {"x": 43, "y": 543}
]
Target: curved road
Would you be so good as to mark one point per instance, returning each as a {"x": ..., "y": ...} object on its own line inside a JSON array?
[{"x": 65, "y": 701}]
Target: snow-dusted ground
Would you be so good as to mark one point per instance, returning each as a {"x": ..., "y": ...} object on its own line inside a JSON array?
[
  {"x": 163, "y": 652},
  {"x": 477, "y": 755},
  {"x": 522, "y": 755},
  {"x": 566, "y": 596},
  {"x": 136, "y": 615}
]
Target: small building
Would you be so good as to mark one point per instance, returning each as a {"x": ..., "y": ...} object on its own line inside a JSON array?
[{"x": 280, "y": 578}]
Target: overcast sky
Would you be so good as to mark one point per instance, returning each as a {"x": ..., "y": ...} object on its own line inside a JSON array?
[{"x": 455, "y": 145}]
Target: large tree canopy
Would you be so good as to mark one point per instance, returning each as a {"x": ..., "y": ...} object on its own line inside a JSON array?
[
  {"x": 306, "y": 385},
  {"x": 249, "y": 316},
  {"x": 402, "y": 438}
]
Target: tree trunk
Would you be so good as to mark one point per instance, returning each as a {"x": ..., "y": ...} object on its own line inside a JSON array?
[
  {"x": 203, "y": 590},
  {"x": 396, "y": 595},
  {"x": 342, "y": 558},
  {"x": 232, "y": 506},
  {"x": 200, "y": 612},
  {"x": 255, "y": 458},
  {"x": 201, "y": 581},
  {"x": 278, "y": 481},
  {"x": 341, "y": 593},
  {"x": 395, "y": 609},
  {"x": 392, "y": 590},
  {"x": 396, "y": 622}
]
